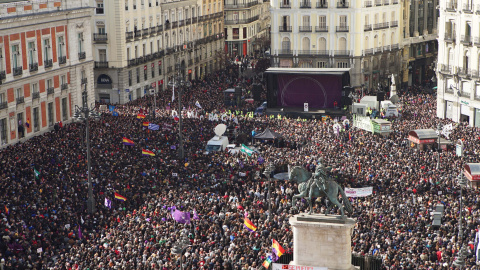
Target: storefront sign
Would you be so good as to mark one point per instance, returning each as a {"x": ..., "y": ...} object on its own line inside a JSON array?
[
  {"x": 417, "y": 141},
  {"x": 471, "y": 177},
  {"x": 104, "y": 79},
  {"x": 279, "y": 266}
]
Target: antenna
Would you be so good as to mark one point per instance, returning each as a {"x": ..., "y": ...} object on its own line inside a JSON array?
[{"x": 220, "y": 129}]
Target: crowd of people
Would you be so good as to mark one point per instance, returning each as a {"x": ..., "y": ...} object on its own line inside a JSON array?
[{"x": 45, "y": 223}]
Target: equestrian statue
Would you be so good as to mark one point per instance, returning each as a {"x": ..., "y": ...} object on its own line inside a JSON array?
[{"x": 319, "y": 185}]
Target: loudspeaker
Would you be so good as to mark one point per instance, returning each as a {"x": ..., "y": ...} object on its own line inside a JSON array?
[
  {"x": 257, "y": 92},
  {"x": 346, "y": 101},
  {"x": 346, "y": 91},
  {"x": 380, "y": 96}
]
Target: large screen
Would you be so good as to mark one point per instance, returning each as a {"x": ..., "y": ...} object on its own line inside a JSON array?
[{"x": 319, "y": 91}]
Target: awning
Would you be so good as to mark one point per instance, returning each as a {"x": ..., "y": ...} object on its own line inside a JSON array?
[
  {"x": 267, "y": 134},
  {"x": 472, "y": 171},
  {"x": 421, "y": 136}
]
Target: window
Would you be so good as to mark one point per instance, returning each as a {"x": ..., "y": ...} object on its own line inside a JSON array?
[
  {"x": 2, "y": 70},
  {"x": 101, "y": 30},
  {"x": 3, "y": 131},
  {"x": 50, "y": 114},
  {"x": 63, "y": 79},
  {"x": 138, "y": 75},
  {"x": 99, "y": 9},
  {"x": 61, "y": 44},
  {"x": 306, "y": 20},
  {"x": 19, "y": 92},
  {"x": 129, "y": 78},
  {"x": 80, "y": 42},
  {"x": 49, "y": 84},
  {"x": 153, "y": 70},
  {"x": 64, "y": 109},
  {"x": 15, "y": 56},
  {"x": 126, "y": 4},
  {"x": 322, "y": 21},
  {"x": 34, "y": 87},
  {"x": 322, "y": 64},
  {"x": 31, "y": 53},
  {"x": 2, "y": 98},
  {"x": 159, "y": 68},
  {"x": 20, "y": 122},
  {"x": 145, "y": 73},
  {"x": 343, "y": 21},
  {"x": 342, "y": 64},
  {"x": 102, "y": 55},
  {"x": 36, "y": 120}
]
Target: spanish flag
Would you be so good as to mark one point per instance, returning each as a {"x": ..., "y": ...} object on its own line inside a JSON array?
[
  {"x": 145, "y": 124},
  {"x": 140, "y": 116},
  {"x": 127, "y": 141},
  {"x": 277, "y": 249},
  {"x": 359, "y": 167},
  {"x": 120, "y": 197},
  {"x": 147, "y": 153},
  {"x": 249, "y": 225},
  {"x": 267, "y": 262},
  {"x": 7, "y": 210}
]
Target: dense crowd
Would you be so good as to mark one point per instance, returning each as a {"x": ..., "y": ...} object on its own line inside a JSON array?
[{"x": 47, "y": 225}]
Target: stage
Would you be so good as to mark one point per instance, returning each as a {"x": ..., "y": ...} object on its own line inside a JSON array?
[{"x": 311, "y": 114}]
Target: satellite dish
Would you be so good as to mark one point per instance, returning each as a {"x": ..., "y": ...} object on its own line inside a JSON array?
[
  {"x": 394, "y": 99},
  {"x": 220, "y": 129}
]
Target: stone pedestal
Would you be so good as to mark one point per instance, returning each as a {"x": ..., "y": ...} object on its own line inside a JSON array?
[
  {"x": 393, "y": 90},
  {"x": 322, "y": 241}
]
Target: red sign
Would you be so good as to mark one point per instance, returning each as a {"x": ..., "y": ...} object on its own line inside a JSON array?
[
  {"x": 184, "y": 46},
  {"x": 159, "y": 63},
  {"x": 145, "y": 67},
  {"x": 417, "y": 141},
  {"x": 161, "y": 81},
  {"x": 471, "y": 177},
  {"x": 189, "y": 71},
  {"x": 153, "y": 65},
  {"x": 154, "y": 84}
]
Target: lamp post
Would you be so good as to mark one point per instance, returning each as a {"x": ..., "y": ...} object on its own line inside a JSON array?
[
  {"x": 83, "y": 113},
  {"x": 180, "y": 246},
  {"x": 268, "y": 172},
  {"x": 179, "y": 82},
  {"x": 439, "y": 131},
  {"x": 153, "y": 92},
  {"x": 462, "y": 253}
]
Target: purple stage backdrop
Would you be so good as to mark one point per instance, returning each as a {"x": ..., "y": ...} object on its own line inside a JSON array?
[{"x": 319, "y": 91}]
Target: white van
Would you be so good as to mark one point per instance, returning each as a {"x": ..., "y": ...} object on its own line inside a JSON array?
[{"x": 217, "y": 143}]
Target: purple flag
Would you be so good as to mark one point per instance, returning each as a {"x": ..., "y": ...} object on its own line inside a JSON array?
[
  {"x": 181, "y": 217},
  {"x": 260, "y": 160},
  {"x": 108, "y": 203},
  {"x": 173, "y": 147},
  {"x": 80, "y": 232},
  {"x": 195, "y": 216},
  {"x": 241, "y": 163}
]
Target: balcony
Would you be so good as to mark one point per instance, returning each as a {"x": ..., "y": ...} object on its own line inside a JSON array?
[
  {"x": 20, "y": 100},
  {"x": 464, "y": 39},
  {"x": 367, "y": 27},
  {"x": 33, "y": 67},
  {"x": 394, "y": 24},
  {"x": 395, "y": 2},
  {"x": 181, "y": 23},
  {"x": 190, "y": 62},
  {"x": 304, "y": 29},
  {"x": 342, "y": 28},
  {"x": 84, "y": 81},
  {"x": 99, "y": 11},
  {"x": 153, "y": 30},
  {"x": 188, "y": 21},
  {"x": 312, "y": 52},
  {"x": 446, "y": 69},
  {"x": 476, "y": 41},
  {"x": 175, "y": 24},
  {"x": 368, "y": 52},
  {"x": 62, "y": 60},
  {"x": 386, "y": 48},
  {"x": 305, "y": 4},
  {"x": 35, "y": 95},
  {"x": 137, "y": 34},
  {"x": 82, "y": 55},
  {"x": 285, "y": 29},
  {"x": 342, "y": 4},
  {"x": 169, "y": 69},
  {"x": 241, "y": 5},
  {"x": 100, "y": 37},
  {"x": 145, "y": 32},
  {"x": 383, "y": 25},
  {"x": 48, "y": 63},
  {"x": 242, "y": 21},
  {"x": 395, "y": 46},
  {"x": 477, "y": 10},
  {"x": 50, "y": 90},
  {"x": 101, "y": 64},
  {"x": 285, "y": 52},
  {"x": 18, "y": 71},
  {"x": 132, "y": 62},
  {"x": 64, "y": 86},
  {"x": 449, "y": 37},
  {"x": 322, "y": 4},
  {"x": 140, "y": 60},
  {"x": 467, "y": 8},
  {"x": 159, "y": 28},
  {"x": 342, "y": 53},
  {"x": 368, "y": 3},
  {"x": 129, "y": 35},
  {"x": 464, "y": 72},
  {"x": 285, "y": 5},
  {"x": 451, "y": 6},
  {"x": 2, "y": 75},
  {"x": 322, "y": 28},
  {"x": 378, "y": 3},
  {"x": 3, "y": 105}
]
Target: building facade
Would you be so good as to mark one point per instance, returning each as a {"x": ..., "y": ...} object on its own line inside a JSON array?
[
  {"x": 458, "y": 93},
  {"x": 247, "y": 26},
  {"x": 45, "y": 64},
  {"x": 420, "y": 46},
  {"x": 139, "y": 45},
  {"x": 361, "y": 35}
]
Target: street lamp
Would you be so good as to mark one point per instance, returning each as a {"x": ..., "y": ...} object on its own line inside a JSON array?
[
  {"x": 179, "y": 82},
  {"x": 439, "y": 131},
  {"x": 83, "y": 113},
  {"x": 268, "y": 172},
  {"x": 462, "y": 253},
  {"x": 152, "y": 91},
  {"x": 180, "y": 246}
]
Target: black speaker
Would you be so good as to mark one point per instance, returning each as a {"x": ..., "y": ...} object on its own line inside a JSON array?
[
  {"x": 346, "y": 101},
  {"x": 380, "y": 96},
  {"x": 346, "y": 91},
  {"x": 257, "y": 92}
]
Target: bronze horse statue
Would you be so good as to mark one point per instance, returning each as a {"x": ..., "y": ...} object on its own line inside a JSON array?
[{"x": 308, "y": 190}]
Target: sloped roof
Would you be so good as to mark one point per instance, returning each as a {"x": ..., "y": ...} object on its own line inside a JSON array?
[{"x": 268, "y": 134}]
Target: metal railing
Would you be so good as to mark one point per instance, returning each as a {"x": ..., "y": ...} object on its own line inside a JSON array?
[
  {"x": 83, "y": 80},
  {"x": 145, "y": 32},
  {"x": 322, "y": 28},
  {"x": 450, "y": 37},
  {"x": 474, "y": 73},
  {"x": 285, "y": 52},
  {"x": 304, "y": 29},
  {"x": 48, "y": 63},
  {"x": 446, "y": 69},
  {"x": 153, "y": 30},
  {"x": 101, "y": 64},
  {"x": 305, "y": 4},
  {"x": 18, "y": 71},
  {"x": 465, "y": 39},
  {"x": 378, "y": 2},
  {"x": 312, "y": 52},
  {"x": 132, "y": 62},
  {"x": 2, "y": 75},
  {"x": 368, "y": 3},
  {"x": 62, "y": 60},
  {"x": 3, "y": 105},
  {"x": 33, "y": 67},
  {"x": 342, "y": 28},
  {"x": 342, "y": 4},
  {"x": 137, "y": 33},
  {"x": 322, "y": 4},
  {"x": 50, "y": 90},
  {"x": 35, "y": 95},
  {"x": 394, "y": 24},
  {"x": 159, "y": 28},
  {"x": 467, "y": 8},
  {"x": 20, "y": 100},
  {"x": 241, "y": 5},
  {"x": 285, "y": 5},
  {"x": 129, "y": 35},
  {"x": 64, "y": 86},
  {"x": 451, "y": 6},
  {"x": 342, "y": 53},
  {"x": 242, "y": 21},
  {"x": 367, "y": 27},
  {"x": 100, "y": 37},
  {"x": 82, "y": 55},
  {"x": 284, "y": 29},
  {"x": 395, "y": 46},
  {"x": 380, "y": 25},
  {"x": 367, "y": 262},
  {"x": 367, "y": 51}
]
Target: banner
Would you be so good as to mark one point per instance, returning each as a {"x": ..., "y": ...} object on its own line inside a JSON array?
[
  {"x": 279, "y": 266},
  {"x": 359, "y": 192}
]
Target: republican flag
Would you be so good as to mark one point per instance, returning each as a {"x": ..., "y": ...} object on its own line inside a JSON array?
[
  {"x": 147, "y": 153},
  {"x": 176, "y": 118},
  {"x": 127, "y": 141},
  {"x": 153, "y": 126},
  {"x": 198, "y": 104},
  {"x": 27, "y": 123},
  {"x": 7, "y": 210},
  {"x": 140, "y": 116},
  {"x": 359, "y": 167},
  {"x": 249, "y": 225},
  {"x": 267, "y": 262},
  {"x": 277, "y": 248},
  {"x": 120, "y": 197},
  {"x": 145, "y": 124},
  {"x": 349, "y": 136},
  {"x": 108, "y": 203}
]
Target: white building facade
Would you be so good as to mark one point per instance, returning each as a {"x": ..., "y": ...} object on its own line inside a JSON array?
[
  {"x": 45, "y": 64},
  {"x": 458, "y": 93},
  {"x": 361, "y": 35},
  {"x": 139, "y": 45}
]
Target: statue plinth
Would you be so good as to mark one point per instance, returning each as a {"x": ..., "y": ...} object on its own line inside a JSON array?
[{"x": 322, "y": 241}]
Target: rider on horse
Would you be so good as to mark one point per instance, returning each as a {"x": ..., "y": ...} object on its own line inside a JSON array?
[{"x": 320, "y": 177}]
